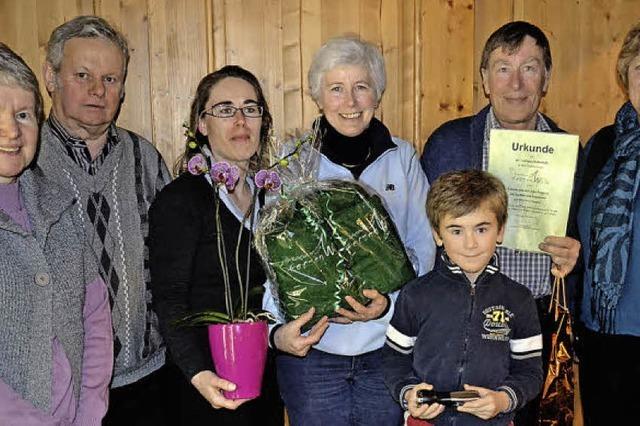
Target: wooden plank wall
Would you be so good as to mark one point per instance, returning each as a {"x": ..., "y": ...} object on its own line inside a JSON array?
[{"x": 431, "y": 47}]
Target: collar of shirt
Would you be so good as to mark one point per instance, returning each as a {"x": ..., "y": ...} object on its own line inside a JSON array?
[
  {"x": 77, "y": 148},
  {"x": 492, "y": 267}
]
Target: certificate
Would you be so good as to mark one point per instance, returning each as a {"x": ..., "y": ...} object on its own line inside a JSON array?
[{"x": 537, "y": 169}]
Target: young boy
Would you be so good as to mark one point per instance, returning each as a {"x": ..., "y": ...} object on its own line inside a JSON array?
[{"x": 464, "y": 325}]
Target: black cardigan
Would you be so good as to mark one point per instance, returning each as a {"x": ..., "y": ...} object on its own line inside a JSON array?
[{"x": 185, "y": 269}]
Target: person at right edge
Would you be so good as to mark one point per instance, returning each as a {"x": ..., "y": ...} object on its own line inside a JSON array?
[
  {"x": 515, "y": 68},
  {"x": 610, "y": 309}
]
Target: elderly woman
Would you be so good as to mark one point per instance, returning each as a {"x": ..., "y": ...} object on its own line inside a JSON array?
[
  {"x": 55, "y": 338},
  {"x": 230, "y": 120},
  {"x": 610, "y": 236},
  {"x": 339, "y": 363}
]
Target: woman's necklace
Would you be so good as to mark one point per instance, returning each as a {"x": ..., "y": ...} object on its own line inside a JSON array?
[{"x": 353, "y": 166}]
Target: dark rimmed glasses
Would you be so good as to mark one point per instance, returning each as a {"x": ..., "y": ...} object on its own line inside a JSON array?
[{"x": 228, "y": 111}]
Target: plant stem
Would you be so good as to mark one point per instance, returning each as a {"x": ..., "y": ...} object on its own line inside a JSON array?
[
  {"x": 254, "y": 198},
  {"x": 242, "y": 314},
  {"x": 222, "y": 258}
]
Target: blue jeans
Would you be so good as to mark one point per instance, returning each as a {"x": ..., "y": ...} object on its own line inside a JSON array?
[{"x": 333, "y": 390}]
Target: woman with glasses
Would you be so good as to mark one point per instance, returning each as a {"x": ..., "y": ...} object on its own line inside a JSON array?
[{"x": 229, "y": 123}]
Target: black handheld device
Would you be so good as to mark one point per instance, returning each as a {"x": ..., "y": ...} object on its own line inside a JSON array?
[{"x": 449, "y": 399}]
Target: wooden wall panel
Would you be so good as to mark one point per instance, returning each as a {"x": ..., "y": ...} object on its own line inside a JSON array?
[
  {"x": 398, "y": 109},
  {"x": 310, "y": 40},
  {"x": 370, "y": 16},
  {"x": 272, "y": 66},
  {"x": 217, "y": 35},
  {"x": 178, "y": 60},
  {"x": 340, "y": 17},
  {"x": 22, "y": 38},
  {"x": 446, "y": 30},
  {"x": 292, "y": 73},
  {"x": 432, "y": 50}
]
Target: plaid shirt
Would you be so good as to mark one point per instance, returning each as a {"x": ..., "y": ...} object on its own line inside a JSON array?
[
  {"x": 532, "y": 270},
  {"x": 77, "y": 148}
]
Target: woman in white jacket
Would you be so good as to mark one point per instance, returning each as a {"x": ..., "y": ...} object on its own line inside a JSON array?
[{"x": 339, "y": 362}]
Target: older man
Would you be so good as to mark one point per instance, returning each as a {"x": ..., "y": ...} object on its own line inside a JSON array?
[
  {"x": 515, "y": 68},
  {"x": 114, "y": 174}
]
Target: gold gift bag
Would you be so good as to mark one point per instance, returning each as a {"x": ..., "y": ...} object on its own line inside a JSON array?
[{"x": 557, "y": 406}]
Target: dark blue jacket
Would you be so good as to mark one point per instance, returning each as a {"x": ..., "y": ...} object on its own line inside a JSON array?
[{"x": 448, "y": 333}]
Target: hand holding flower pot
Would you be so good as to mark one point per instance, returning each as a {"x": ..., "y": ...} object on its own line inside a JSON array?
[{"x": 239, "y": 352}]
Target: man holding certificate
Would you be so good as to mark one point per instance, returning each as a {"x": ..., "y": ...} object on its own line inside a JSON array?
[{"x": 515, "y": 68}]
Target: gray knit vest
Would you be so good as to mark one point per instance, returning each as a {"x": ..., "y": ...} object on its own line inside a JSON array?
[
  {"x": 132, "y": 174},
  {"x": 42, "y": 290}
]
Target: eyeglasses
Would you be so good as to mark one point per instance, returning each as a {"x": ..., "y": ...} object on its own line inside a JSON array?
[{"x": 228, "y": 111}]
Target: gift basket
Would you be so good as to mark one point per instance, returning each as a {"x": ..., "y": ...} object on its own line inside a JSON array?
[{"x": 323, "y": 240}]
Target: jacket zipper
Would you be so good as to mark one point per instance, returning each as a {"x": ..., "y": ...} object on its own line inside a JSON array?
[{"x": 472, "y": 294}]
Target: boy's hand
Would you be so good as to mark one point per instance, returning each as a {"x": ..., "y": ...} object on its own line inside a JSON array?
[
  {"x": 490, "y": 403},
  {"x": 423, "y": 411},
  {"x": 360, "y": 312}
]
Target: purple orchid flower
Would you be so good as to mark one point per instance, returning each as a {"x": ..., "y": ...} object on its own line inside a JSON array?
[
  {"x": 197, "y": 165},
  {"x": 223, "y": 173},
  {"x": 269, "y": 180}
]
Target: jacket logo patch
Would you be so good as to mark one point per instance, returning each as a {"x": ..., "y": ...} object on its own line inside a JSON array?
[
  {"x": 496, "y": 323},
  {"x": 390, "y": 187}
]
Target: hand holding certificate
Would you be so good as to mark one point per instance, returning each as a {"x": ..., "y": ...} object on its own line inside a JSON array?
[{"x": 537, "y": 169}]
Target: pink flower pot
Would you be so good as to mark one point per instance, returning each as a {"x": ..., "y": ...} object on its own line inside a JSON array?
[{"x": 239, "y": 352}]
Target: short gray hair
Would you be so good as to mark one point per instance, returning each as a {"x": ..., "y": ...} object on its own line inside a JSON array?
[
  {"x": 88, "y": 26},
  {"x": 14, "y": 71},
  {"x": 344, "y": 51}
]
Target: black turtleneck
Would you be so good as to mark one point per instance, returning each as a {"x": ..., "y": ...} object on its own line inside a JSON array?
[{"x": 357, "y": 152}]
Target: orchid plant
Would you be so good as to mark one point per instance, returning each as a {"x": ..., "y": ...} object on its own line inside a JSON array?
[{"x": 222, "y": 174}]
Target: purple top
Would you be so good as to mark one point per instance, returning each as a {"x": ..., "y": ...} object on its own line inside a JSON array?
[
  {"x": 11, "y": 204},
  {"x": 97, "y": 360}
]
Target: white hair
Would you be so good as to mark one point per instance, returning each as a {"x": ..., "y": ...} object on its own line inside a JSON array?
[{"x": 342, "y": 51}]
